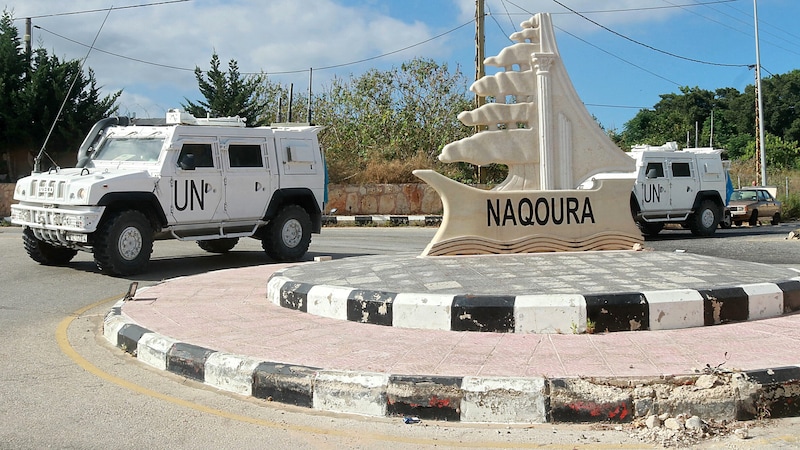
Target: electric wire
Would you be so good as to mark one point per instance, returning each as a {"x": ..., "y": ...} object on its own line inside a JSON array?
[
  {"x": 674, "y": 55},
  {"x": 87, "y": 11},
  {"x": 66, "y": 98},
  {"x": 736, "y": 19},
  {"x": 285, "y": 72}
]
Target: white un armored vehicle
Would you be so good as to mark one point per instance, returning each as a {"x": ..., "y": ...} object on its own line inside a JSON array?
[
  {"x": 689, "y": 187},
  {"x": 207, "y": 180}
]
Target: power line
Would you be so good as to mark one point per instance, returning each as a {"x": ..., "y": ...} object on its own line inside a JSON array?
[
  {"x": 655, "y": 74},
  {"x": 643, "y": 44},
  {"x": 267, "y": 73},
  {"x": 87, "y": 11},
  {"x": 643, "y": 8},
  {"x": 600, "y": 105},
  {"x": 736, "y": 29},
  {"x": 114, "y": 54}
]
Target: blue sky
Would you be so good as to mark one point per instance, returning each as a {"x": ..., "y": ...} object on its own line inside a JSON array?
[{"x": 156, "y": 43}]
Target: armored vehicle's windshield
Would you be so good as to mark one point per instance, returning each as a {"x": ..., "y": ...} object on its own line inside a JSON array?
[{"x": 129, "y": 149}]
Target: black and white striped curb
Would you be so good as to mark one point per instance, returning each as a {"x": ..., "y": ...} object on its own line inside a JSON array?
[
  {"x": 383, "y": 219},
  {"x": 551, "y": 313},
  {"x": 460, "y": 398}
]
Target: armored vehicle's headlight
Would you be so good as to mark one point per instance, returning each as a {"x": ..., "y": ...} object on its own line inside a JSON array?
[
  {"x": 20, "y": 189},
  {"x": 82, "y": 193}
]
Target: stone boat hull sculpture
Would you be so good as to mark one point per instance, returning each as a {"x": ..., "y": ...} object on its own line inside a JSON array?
[{"x": 540, "y": 129}]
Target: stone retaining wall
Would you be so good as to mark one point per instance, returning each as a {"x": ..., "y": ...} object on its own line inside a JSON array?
[
  {"x": 392, "y": 199},
  {"x": 6, "y": 198},
  {"x": 400, "y": 199}
]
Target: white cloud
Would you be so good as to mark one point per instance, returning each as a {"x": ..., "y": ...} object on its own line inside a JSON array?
[{"x": 274, "y": 36}]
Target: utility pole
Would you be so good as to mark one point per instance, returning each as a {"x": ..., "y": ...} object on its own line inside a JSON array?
[
  {"x": 759, "y": 139},
  {"x": 760, "y": 143},
  {"x": 480, "y": 43},
  {"x": 480, "y": 71}
]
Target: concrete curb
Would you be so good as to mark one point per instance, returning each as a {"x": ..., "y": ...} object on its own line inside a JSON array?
[
  {"x": 383, "y": 219},
  {"x": 554, "y": 313},
  {"x": 715, "y": 394}
]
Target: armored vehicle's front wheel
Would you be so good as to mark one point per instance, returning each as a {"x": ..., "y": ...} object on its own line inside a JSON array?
[
  {"x": 223, "y": 245},
  {"x": 123, "y": 243},
  {"x": 288, "y": 235},
  {"x": 650, "y": 228},
  {"x": 45, "y": 253},
  {"x": 705, "y": 219}
]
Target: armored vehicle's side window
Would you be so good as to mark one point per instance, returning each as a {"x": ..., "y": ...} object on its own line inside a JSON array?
[
  {"x": 243, "y": 155},
  {"x": 202, "y": 154},
  {"x": 654, "y": 170},
  {"x": 681, "y": 169}
]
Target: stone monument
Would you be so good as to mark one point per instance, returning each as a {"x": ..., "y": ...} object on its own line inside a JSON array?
[{"x": 539, "y": 128}]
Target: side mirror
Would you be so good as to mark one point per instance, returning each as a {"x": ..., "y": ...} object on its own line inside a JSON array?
[
  {"x": 187, "y": 162},
  {"x": 652, "y": 173}
]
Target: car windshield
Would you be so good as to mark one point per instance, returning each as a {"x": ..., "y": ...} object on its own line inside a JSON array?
[
  {"x": 744, "y": 195},
  {"x": 129, "y": 149}
]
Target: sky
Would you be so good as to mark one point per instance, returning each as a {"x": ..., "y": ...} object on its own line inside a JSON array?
[{"x": 620, "y": 54}]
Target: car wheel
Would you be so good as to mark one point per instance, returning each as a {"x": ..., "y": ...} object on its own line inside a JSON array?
[
  {"x": 223, "y": 245},
  {"x": 776, "y": 219},
  {"x": 705, "y": 219},
  {"x": 123, "y": 243},
  {"x": 288, "y": 235},
  {"x": 753, "y": 218},
  {"x": 650, "y": 228},
  {"x": 45, "y": 253},
  {"x": 726, "y": 221}
]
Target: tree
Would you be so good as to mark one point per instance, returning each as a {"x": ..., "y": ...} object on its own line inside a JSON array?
[
  {"x": 32, "y": 89},
  {"x": 228, "y": 94},
  {"x": 392, "y": 121}
]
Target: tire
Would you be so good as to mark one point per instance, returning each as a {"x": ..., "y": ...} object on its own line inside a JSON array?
[
  {"x": 288, "y": 235},
  {"x": 223, "y": 245},
  {"x": 45, "y": 253},
  {"x": 753, "y": 218},
  {"x": 776, "y": 219},
  {"x": 650, "y": 228},
  {"x": 123, "y": 243},
  {"x": 705, "y": 219},
  {"x": 726, "y": 221}
]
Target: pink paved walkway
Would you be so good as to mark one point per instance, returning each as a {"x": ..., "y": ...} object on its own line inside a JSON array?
[{"x": 228, "y": 311}]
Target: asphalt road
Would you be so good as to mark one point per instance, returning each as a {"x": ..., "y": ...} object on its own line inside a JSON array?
[{"x": 64, "y": 386}]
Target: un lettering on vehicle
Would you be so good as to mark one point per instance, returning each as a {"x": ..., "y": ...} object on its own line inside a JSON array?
[
  {"x": 192, "y": 195},
  {"x": 652, "y": 193}
]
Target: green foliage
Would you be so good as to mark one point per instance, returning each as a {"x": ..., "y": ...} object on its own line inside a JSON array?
[
  {"x": 228, "y": 94},
  {"x": 791, "y": 206},
  {"x": 734, "y": 120},
  {"x": 403, "y": 114},
  {"x": 32, "y": 89}
]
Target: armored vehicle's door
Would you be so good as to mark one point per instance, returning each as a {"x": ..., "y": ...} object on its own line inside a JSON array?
[
  {"x": 652, "y": 189},
  {"x": 197, "y": 188},
  {"x": 683, "y": 183},
  {"x": 248, "y": 184}
]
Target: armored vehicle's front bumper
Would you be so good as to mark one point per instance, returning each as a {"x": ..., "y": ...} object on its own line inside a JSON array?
[{"x": 58, "y": 224}]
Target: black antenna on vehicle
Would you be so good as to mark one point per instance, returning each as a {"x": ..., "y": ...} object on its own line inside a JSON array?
[
  {"x": 37, "y": 163},
  {"x": 310, "y": 76},
  {"x": 291, "y": 94}
]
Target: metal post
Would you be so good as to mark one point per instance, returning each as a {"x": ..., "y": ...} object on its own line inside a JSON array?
[
  {"x": 480, "y": 70},
  {"x": 762, "y": 146}
]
